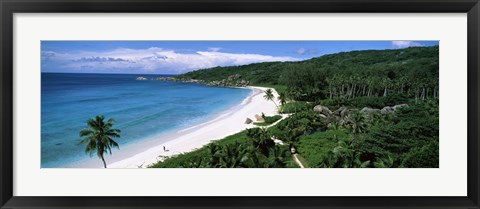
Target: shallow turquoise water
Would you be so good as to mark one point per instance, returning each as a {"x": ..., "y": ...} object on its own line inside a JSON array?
[{"x": 142, "y": 109}]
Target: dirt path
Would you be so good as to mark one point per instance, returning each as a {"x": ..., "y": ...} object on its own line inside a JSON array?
[
  {"x": 298, "y": 161},
  {"x": 284, "y": 116}
]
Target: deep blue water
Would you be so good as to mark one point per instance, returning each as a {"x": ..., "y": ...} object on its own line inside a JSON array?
[{"x": 142, "y": 109}]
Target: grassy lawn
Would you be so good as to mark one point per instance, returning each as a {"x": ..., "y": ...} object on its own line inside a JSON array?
[{"x": 269, "y": 120}]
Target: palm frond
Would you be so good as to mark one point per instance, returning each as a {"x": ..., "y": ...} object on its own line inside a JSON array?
[
  {"x": 86, "y": 132},
  {"x": 98, "y": 136}
]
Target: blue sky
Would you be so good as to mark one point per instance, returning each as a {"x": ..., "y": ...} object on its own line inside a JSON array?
[{"x": 174, "y": 57}]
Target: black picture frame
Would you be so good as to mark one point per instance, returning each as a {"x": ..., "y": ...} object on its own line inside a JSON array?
[{"x": 9, "y": 7}]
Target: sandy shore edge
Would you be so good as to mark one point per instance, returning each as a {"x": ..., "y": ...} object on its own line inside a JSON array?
[{"x": 193, "y": 138}]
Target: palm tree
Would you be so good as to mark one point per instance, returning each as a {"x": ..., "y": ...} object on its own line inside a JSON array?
[
  {"x": 386, "y": 162},
  {"x": 261, "y": 139},
  {"x": 334, "y": 124},
  {"x": 356, "y": 122},
  {"x": 235, "y": 155},
  {"x": 269, "y": 96},
  {"x": 99, "y": 137},
  {"x": 277, "y": 157},
  {"x": 283, "y": 98},
  {"x": 386, "y": 84},
  {"x": 294, "y": 94},
  {"x": 214, "y": 150},
  {"x": 345, "y": 155}
]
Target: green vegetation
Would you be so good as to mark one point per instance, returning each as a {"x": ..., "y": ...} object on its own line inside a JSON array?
[
  {"x": 269, "y": 96},
  {"x": 278, "y": 88},
  {"x": 315, "y": 148},
  {"x": 412, "y": 72},
  {"x": 302, "y": 161},
  {"x": 359, "y": 109},
  {"x": 409, "y": 138},
  {"x": 365, "y": 101},
  {"x": 98, "y": 137},
  {"x": 252, "y": 148},
  {"x": 405, "y": 138},
  {"x": 293, "y": 107},
  {"x": 269, "y": 120}
]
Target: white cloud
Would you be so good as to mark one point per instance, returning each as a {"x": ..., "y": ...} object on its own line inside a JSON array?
[
  {"x": 301, "y": 51},
  {"x": 306, "y": 51},
  {"x": 152, "y": 60},
  {"x": 214, "y": 49},
  {"x": 404, "y": 44}
]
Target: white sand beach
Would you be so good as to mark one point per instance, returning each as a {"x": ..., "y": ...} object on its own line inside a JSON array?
[{"x": 230, "y": 122}]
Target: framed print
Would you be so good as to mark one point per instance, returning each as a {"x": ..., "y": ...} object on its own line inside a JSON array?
[{"x": 265, "y": 104}]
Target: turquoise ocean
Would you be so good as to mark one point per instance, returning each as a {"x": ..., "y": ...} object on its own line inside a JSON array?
[{"x": 142, "y": 109}]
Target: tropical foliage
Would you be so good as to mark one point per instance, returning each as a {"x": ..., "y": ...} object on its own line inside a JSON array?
[
  {"x": 269, "y": 96},
  {"x": 361, "y": 131},
  {"x": 412, "y": 72},
  {"x": 241, "y": 150},
  {"x": 98, "y": 137}
]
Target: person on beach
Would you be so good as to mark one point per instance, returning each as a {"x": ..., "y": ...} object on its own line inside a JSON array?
[{"x": 164, "y": 148}]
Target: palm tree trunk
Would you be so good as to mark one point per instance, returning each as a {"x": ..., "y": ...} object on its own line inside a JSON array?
[
  {"x": 416, "y": 95},
  {"x": 353, "y": 90},
  {"x": 104, "y": 163},
  {"x": 275, "y": 103},
  {"x": 330, "y": 88}
]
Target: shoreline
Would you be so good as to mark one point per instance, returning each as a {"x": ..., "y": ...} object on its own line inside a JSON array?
[{"x": 188, "y": 139}]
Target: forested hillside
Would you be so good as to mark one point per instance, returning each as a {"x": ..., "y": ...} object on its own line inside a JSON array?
[
  {"x": 375, "y": 108},
  {"x": 413, "y": 71}
]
